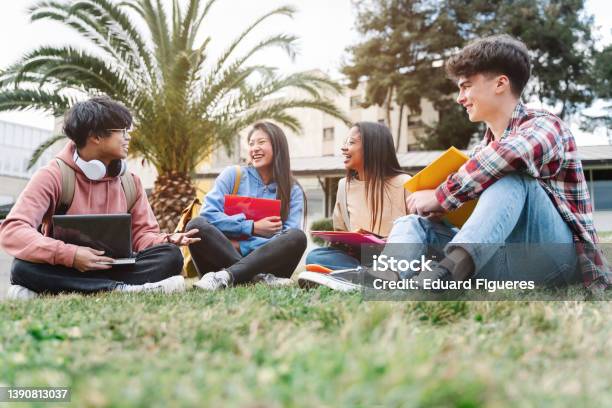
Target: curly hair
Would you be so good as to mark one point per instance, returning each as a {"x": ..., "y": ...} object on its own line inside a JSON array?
[{"x": 498, "y": 54}]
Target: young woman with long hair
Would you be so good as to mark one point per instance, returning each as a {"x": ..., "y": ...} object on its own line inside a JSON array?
[
  {"x": 234, "y": 250},
  {"x": 370, "y": 197}
]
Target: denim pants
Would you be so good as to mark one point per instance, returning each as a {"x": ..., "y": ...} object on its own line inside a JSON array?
[
  {"x": 153, "y": 264},
  {"x": 332, "y": 258},
  {"x": 514, "y": 233},
  {"x": 215, "y": 251}
]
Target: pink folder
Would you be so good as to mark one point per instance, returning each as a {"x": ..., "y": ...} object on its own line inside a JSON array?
[
  {"x": 348, "y": 238},
  {"x": 253, "y": 208}
]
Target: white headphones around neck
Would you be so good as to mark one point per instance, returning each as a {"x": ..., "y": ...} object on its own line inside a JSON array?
[{"x": 96, "y": 170}]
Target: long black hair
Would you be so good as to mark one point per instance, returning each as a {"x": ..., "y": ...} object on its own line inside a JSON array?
[
  {"x": 281, "y": 165},
  {"x": 379, "y": 165}
]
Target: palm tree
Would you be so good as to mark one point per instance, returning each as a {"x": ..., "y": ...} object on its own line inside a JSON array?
[{"x": 184, "y": 105}]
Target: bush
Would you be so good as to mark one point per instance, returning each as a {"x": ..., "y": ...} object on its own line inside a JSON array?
[
  {"x": 4, "y": 210},
  {"x": 324, "y": 224}
]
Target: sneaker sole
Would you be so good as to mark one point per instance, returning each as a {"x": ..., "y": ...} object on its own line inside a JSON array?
[
  {"x": 318, "y": 268},
  {"x": 309, "y": 280}
]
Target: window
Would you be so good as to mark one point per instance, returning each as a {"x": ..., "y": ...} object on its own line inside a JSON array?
[
  {"x": 355, "y": 102},
  {"x": 328, "y": 142},
  {"x": 602, "y": 189}
]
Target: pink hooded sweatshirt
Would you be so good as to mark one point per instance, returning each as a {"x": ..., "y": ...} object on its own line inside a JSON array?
[{"x": 37, "y": 203}]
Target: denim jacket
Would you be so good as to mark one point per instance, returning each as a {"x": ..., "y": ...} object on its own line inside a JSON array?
[{"x": 251, "y": 185}]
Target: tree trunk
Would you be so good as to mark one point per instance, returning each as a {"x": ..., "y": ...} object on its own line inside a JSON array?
[
  {"x": 388, "y": 103},
  {"x": 399, "y": 128},
  {"x": 172, "y": 192}
]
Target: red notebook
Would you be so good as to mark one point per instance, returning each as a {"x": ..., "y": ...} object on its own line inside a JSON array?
[
  {"x": 348, "y": 238},
  {"x": 253, "y": 208}
]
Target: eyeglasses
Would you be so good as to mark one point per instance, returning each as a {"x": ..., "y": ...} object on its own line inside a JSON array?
[{"x": 124, "y": 132}]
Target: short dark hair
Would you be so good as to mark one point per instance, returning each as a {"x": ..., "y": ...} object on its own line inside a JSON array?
[
  {"x": 95, "y": 116},
  {"x": 497, "y": 54}
]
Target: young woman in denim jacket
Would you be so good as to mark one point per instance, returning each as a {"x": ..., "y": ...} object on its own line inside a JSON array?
[{"x": 234, "y": 250}]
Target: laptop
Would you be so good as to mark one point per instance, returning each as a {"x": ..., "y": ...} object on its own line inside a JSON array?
[{"x": 111, "y": 233}]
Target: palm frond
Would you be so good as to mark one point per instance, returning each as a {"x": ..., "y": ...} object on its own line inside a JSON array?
[
  {"x": 184, "y": 30},
  {"x": 85, "y": 18},
  {"x": 122, "y": 31},
  {"x": 24, "y": 99},
  {"x": 177, "y": 18},
  {"x": 310, "y": 83},
  {"x": 285, "y": 10},
  {"x": 70, "y": 67},
  {"x": 234, "y": 76},
  {"x": 155, "y": 19},
  {"x": 217, "y": 80},
  {"x": 40, "y": 150},
  {"x": 203, "y": 14}
]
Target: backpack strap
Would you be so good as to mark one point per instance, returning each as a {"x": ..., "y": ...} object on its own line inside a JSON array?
[
  {"x": 68, "y": 180},
  {"x": 129, "y": 188},
  {"x": 237, "y": 179},
  {"x": 342, "y": 200}
]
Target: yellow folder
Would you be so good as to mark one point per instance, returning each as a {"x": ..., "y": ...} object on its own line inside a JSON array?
[{"x": 435, "y": 174}]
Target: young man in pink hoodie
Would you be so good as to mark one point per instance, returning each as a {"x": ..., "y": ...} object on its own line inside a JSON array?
[{"x": 98, "y": 129}]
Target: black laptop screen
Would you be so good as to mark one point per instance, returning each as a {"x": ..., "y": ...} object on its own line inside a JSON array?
[{"x": 111, "y": 233}]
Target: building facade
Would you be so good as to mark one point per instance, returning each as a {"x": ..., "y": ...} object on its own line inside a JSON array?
[{"x": 17, "y": 143}]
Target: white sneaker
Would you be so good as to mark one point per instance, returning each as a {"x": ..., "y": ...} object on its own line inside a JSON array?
[
  {"x": 18, "y": 292},
  {"x": 272, "y": 280},
  {"x": 214, "y": 281},
  {"x": 169, "y": 285},
  {"x": 334, "y": 280}
]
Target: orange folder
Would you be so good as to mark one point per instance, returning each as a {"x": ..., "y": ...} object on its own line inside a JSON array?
[
  {"x": 253, "y": 208},
  {"x": 435, "y": 174}
]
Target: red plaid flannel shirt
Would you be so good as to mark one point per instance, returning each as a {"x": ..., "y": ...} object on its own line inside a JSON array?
[{"x": 539, "y": 144}]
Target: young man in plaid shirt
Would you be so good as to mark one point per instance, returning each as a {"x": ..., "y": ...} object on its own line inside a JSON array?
[
  {"x": 527, "y": 177},
  {"x": 526, "y": 174}
]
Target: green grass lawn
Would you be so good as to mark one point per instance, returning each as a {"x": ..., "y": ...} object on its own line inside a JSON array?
[{"x": 260, "y": 347}]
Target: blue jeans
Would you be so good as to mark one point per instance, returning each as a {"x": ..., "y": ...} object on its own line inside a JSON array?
[
  {"x": 512, "y": 212},
  {"x": 332, "y": 258}
]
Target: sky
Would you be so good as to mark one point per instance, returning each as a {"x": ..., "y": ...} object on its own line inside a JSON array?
[{"x": 325, "y": 29}]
